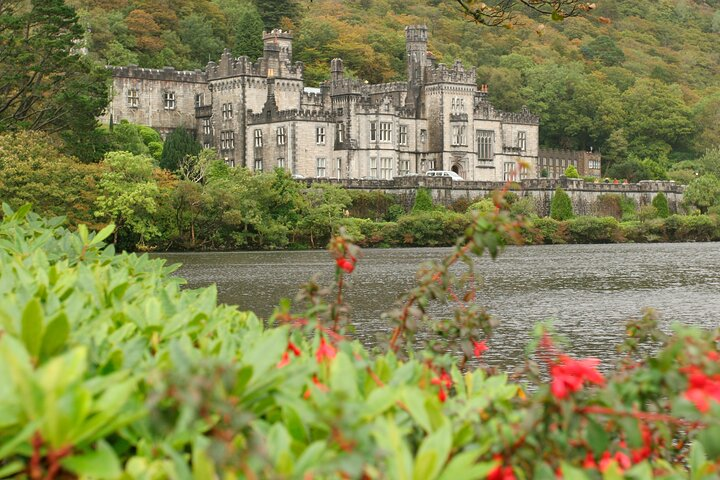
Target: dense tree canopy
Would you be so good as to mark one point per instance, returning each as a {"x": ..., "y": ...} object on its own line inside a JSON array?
[{"x": 46, "y": 82}]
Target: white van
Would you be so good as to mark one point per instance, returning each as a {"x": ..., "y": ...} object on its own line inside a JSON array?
[{"x": 444, "y": 173}]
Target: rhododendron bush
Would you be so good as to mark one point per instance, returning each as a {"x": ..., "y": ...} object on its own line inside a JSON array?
[{"x": 108, "y": 369}]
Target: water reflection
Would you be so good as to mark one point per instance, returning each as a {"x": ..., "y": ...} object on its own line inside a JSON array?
[{"x": 589, "y": 290}]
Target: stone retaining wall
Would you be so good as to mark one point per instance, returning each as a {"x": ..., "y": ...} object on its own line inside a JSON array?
[{"x": 584, "y": 195}]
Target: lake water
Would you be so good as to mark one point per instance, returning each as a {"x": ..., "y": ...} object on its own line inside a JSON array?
[{"x": 588, "y": 290}]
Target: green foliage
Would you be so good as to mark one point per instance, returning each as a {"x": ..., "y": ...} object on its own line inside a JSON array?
[
  {"x": 661, "y": 204},
  {"x": 604, "y": 50},
  {"x": 178, "y": 145},
  {"x": 375, "y": 205},
  {"x": 430, "y": 229},
  {"x": 248, "y": 30},
  {"x": 128, "y": 195},
  {"x": 111, "y": 370},
  {"x": 561, "y": 206},
  {"x": 33, "y": 170},
  {"x": 703, "y": 193},
  {"x": 594, "y": 230},
  {"x": 571, "y": 172},
  {"x": 46, "y": 85},
  {"x": 423, "y": 201}
]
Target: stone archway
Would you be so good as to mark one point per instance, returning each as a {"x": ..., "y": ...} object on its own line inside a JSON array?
[{"x": 457, "y": 168}]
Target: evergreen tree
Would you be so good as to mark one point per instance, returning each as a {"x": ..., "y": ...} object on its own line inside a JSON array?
[
  {"x": 248, "y": 32},
  {"x": 272, "y": 11},
  {"x": 46, "y": 83},
  {"x": 178, "y": 145},
  {"x": 561, "y": 206},
  {"x": 423, "y": 201},
  {"x": 571, "y": 172},
  {"x": 661, "y": 204}
]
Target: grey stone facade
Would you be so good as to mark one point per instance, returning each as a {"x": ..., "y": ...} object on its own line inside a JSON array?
[{"x": 260, "y": 115}]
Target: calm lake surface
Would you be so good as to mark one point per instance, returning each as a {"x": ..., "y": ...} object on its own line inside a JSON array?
[{"x": 588, "y": 290}]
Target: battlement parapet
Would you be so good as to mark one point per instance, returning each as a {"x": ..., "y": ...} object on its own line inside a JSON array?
[
  {"x": 229, "y": 66},
  {"x": 456, "y": 74},
  {"x": 277, "y": 33},
  {"x": 168, "y": 74},
  {"x": 486, "y": 111},
  {"x": 306, "y": 114},
  {"x": 393, "y": 87},
  {"x": 311, "y": 98}
]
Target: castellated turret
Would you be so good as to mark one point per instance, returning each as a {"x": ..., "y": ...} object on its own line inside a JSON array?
[
  {"x": 281, "y": 39},
  {"x": 336, "y": 69},
  {"x": 416, "y": 41}
]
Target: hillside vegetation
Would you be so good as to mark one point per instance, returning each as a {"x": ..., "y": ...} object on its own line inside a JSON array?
[{"x": 635, "y": 79}]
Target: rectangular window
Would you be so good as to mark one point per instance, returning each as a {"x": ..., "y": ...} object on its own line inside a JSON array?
[
  {"x": 281, "y": 163},
  {"x": 258, "y": 138},
  {"x": 402, "y": 135},
  {"x": 321, "y": 167},
  {"x": 373, "y": 167},
  {"x": 338, "y": 169},
  {"x": 458, "y": 135},
  {"x": 386, "y": 168},
  {"x": 403, "y": 167},
  {"x": 373, "y": 131},
  {"x": 485, "y": 144},
  {"x": 227, "y": 140},
  {"x": 320, "y": 135},
  {"x": 258, "y": 165},
  {"x": 206, "y": 145},
  {"x": 227, "y": 111},
  {"x": 522, "y": 141},
  {"x": 340, "y": 132},
  {"x": 508, "y": 168},
  {"x": 207, "y": 128},
  {"x": 281, "y": 137},
  {"x": 169, "y": 100},
  {"x": 385, "y": 132},
  {"x": 133, "y": 98},
  {"x": 199, "y": 100}
]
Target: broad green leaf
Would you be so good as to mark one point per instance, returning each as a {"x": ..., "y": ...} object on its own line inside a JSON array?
[
  {"x": 32, "y": 326},
  {"x": 103, "y": 234},
  {"x": 101, "y": 463},
  {"x": 56, "y": 334},
  {"x": 311, "y": 457},
  {"x": 433, "y": 453},
  {"x": 463, "y": 467},
  {"x": 597, "y": 437},
  {"x": 572, "y": 473},
  {"x": 414, "y": 400}
]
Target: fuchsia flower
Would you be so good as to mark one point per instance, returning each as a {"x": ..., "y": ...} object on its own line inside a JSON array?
[
  {"x": 444, "y": 382},
  {"x": 345, "y": 264},
  {"x": 568, "y": 375},
  {"x": 479, "y": 348},
  {"x": 500, "y": 472},
  {"x": 702, "y": 388},
  {"x": 285, "y": 360},
  {"x": 325, "y": 351}
]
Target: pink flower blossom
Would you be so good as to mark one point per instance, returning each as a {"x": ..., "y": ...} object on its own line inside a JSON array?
[{"x": 568, "y": 375}]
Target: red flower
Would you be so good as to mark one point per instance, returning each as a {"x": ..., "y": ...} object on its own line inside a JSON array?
[
  {"x": 589, "y": 461},
  {"x": 345, "y": 264},
  {"x": 325, "y": 350},
  {"x": 568, "y": 375},
  {"x": 284, "y": 360},
  {"x": 443, "y": 380},
  {"x": 479, "y": 348},
  {"x": 713, "y": 355},
  {"x": 701, "y": 389},
  {"x": 442, "y": 395},
  {"x": 623, "y": 461},
  {"x": 501, "y": 473},
  {"x": 318, "y": 384},
  {"x": 293, "y": 348}
]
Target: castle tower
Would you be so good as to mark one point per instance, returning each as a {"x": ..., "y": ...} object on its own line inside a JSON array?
[
  {"x": 416, "y": 39},
  {"x": 336, "y": 69},
  {"x": 283, "y": 41}
]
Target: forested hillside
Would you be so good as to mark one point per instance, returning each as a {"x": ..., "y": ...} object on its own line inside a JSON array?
[{"x": 638, "y": 80}]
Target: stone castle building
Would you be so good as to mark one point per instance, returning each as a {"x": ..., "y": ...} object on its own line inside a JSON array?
[{"x": 260, "y": 115}]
